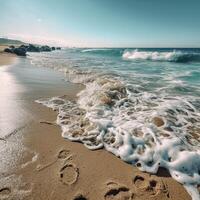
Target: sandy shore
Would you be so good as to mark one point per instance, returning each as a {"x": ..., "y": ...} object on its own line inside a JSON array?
[
  {"x": 6, "y": 58},
  {"x": 38, "y": 164}
]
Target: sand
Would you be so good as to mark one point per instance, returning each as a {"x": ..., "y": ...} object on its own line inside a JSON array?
[
  {"x": 6, "y": 58},
  {"x": 38, "y": 164}
]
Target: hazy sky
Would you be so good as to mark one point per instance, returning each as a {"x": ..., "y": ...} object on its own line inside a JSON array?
[{"x": 117, "y": 23}]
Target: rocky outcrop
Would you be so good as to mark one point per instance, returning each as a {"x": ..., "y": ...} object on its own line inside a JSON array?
[
  {"x": 33, "y": 48},
  {"x": 23, "y": 46},
  {"x": 8, "y": 50},
  {"x": 22, "y": 49},
  {"x": 45, "y": 48},
  {"x": 11, "y": 47}
]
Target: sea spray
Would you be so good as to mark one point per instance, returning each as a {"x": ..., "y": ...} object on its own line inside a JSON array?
[
  {"x": 143, "y": 127},
  {"x": 109, "y": 116},
  {"x": 171, "y": 56}
]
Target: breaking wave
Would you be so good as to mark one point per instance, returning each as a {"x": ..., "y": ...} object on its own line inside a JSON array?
[
  {"x": 146, "y": 129},
  {"x": 171, "y": 56},
  {"x": 141, "y": 128}
]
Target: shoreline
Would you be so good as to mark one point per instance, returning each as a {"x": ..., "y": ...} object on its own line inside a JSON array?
[
  {"x": 6, "y": 58},
  {"x": 51, "y": 167}
]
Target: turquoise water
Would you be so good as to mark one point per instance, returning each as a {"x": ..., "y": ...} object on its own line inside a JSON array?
[
  {"x": 178, "y": 73},
  {"x": 127, "y": 91}
]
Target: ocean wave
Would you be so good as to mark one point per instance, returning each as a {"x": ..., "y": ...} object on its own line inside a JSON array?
[
  {"x": 95, "y": 50},
  {"x": 171, "y": 56},
  {"x": 104, "y": 51},
  {"x": 139, "y": 127},
  {"x": 142, "y": 128}
]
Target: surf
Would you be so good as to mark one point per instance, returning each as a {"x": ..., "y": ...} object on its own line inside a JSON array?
[
  {"x": 170, "y": 56},
  {"x": 148, "y": 128}
]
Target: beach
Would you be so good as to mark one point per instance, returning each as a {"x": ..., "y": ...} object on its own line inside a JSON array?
[
  {"x": 99, "y": 100},
  {"x": 40, "y": 164},
  {"x": 5, "y": 58}
]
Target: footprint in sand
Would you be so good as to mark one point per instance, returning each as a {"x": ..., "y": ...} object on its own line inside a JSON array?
[
  {"x": 5, "y": 191},
  {"x": 149, "y": 186},
  {"x": 118, "y": 192},
  {"x": 69, "y": 174},
  {"x": 79, "y": 197},
  {"x": 139, "y": 181},
  {"x": 63, "y": 154}
]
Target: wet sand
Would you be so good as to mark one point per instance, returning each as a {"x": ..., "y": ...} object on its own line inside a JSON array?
[
  {"x": 6, "y": 58},
  {"x": 37, "y": 163}
]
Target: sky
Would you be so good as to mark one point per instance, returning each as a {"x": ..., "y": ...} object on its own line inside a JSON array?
[{"x": 102, "y": 23}]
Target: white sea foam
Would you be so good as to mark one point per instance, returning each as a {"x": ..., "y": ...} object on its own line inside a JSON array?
[
  {"x": 171, "y": 56},
  {"x": 142, "y": 128},
  {"x": 108, "y": 115}
]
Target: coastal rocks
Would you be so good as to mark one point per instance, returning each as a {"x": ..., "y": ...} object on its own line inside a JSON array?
[
  {"x": 12, "y": 47},
  {"x": 30, "y": 48},
  {"x": 23, "y": 46},
  {"x": 45, "y": 48},
  {"x": 33, "y": 48},
  {"x": 7, "y": 50},
  {"x": 20, "y": 51},
  {"x": 23, "y": 49}
]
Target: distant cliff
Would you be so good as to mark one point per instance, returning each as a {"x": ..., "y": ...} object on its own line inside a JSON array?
[{"x": 4, "y": 41}]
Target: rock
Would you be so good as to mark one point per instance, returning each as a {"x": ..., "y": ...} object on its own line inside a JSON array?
[
  {"x": 8, "y": 50},
  {"x": 33, "y": 48},
  {"x": 45, "y": 48},
  {"x": 11, "y": 47},
  {"x": 20, "y": 51},
  {"x": 58, "y": 48},
  {"x": 23, "y": 46}
]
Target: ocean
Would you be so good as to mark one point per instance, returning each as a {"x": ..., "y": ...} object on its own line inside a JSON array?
[{"x": 142, "y": 105}]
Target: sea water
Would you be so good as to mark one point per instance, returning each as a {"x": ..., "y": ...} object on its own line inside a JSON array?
[{"x": 143, "y": 105}]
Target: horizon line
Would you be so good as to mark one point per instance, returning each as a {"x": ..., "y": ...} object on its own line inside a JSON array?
[{"x": 100, "y": 47}]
